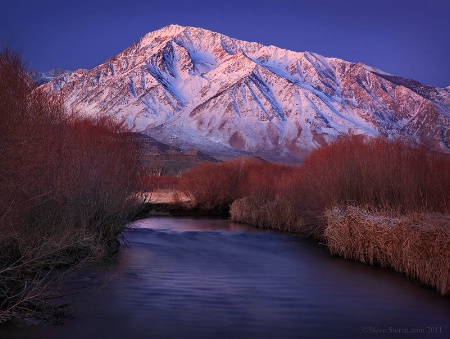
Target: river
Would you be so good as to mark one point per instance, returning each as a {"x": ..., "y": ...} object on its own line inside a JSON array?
[{"x": 207, "y": 278}]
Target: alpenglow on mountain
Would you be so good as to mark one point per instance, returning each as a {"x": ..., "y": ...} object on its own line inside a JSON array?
[{"x": 197, "y": 89}]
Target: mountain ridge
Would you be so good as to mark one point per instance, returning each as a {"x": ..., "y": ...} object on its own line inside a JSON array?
[
  {"x": 41, "y": 78},
  {"x": 194, "y": 88}
]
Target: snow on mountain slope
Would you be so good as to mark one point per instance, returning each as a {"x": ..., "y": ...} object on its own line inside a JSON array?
[
  {"x": 193, "y": 88},
  {"x": 43, "y": 78}
]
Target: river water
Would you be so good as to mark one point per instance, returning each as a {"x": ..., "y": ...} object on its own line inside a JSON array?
[{"x": 206, "y": 278}]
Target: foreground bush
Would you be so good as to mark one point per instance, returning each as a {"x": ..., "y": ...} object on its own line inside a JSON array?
[
  {"x": 415, "y": 244},
  {"x": 65, "y": 188}
]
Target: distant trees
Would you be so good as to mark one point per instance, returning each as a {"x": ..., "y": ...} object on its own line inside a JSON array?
[
  {"x": 214, "y": 186},
  {"x": 380, "y": 173},
  {"x": 371, "y": 172}
]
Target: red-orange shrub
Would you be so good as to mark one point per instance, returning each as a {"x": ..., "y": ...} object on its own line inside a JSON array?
[
  {"x": 159, "y": 182},
  {"x": 383, "y": 174},
  {"x": 214, "y": 186},
  {"x": 376, "y": 173},
  {"x": 65, "y": 186}
]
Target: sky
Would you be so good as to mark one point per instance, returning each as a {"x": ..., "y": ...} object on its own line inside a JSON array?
[{"x": 409, "y": 38}]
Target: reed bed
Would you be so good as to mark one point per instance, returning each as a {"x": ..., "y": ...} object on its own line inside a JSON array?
[
  {"x": 415, "y": 244},
  {"x": 278, "y": 214},
  {"x": 250, "y": 210}
]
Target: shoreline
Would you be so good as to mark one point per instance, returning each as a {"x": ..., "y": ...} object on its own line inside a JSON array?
[{"x": 375, "y": 245}]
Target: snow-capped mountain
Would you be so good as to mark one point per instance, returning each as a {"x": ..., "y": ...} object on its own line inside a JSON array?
[{"x": 193, "y": 88}]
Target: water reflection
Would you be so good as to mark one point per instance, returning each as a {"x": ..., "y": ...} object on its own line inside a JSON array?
[
  {"x": 203, "y": 278},
  {"x": 190, "y": 224}
]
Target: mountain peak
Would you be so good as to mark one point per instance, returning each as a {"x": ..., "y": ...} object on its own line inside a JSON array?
[
  {"x": 171, "y": 29},
  {"x": 165, "y": 32},
  {"x": 197, "y": 89}
]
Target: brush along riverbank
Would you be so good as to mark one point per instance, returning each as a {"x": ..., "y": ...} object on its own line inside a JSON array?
[
  {"x": 67, "y": 189},
  {"x": 415, "y": 244},
  {"x": 377, "y": 174}
]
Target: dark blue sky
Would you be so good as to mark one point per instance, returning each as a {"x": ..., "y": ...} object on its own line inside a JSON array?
[{"x": 410, "y": 38}]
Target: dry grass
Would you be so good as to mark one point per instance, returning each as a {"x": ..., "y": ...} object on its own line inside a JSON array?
[
  {"x": 415, "y": 244},
  {"x": 250, "y": 210},
  {"x": 174, "y": 197}
]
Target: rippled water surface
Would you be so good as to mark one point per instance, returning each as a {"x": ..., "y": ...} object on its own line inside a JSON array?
[{"x": 203, "y": 278}]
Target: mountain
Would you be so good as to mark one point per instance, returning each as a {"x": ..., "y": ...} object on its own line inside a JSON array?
[
  {"x": 42, "y": 78},
  {"x": 197, "y": 89}
]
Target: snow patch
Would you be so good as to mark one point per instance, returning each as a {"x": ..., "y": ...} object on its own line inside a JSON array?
[{"x": 375, "y": 70}]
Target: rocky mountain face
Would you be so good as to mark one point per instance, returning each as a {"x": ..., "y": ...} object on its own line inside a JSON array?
[
  {"x": 196, "y": 89},
  {"x": 42, "y": 78}
]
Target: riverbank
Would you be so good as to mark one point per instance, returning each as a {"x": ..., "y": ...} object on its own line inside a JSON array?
[
  {"x": 67, "y": 187},
  {"x": 417, "y": 245},
  {"x": 174, "y": 203},
  {"x": 217, "y": 279},
  {"x": 388, "y": 178}
]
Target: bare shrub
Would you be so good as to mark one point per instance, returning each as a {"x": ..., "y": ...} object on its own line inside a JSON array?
[
  {"x": 415, "y": 244},
  {"x": 212, "y": 186},
  {"x": 152, "y": 181},
  {"x": 378, "y": 173},
  {"x": 65, "y": 187}
]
